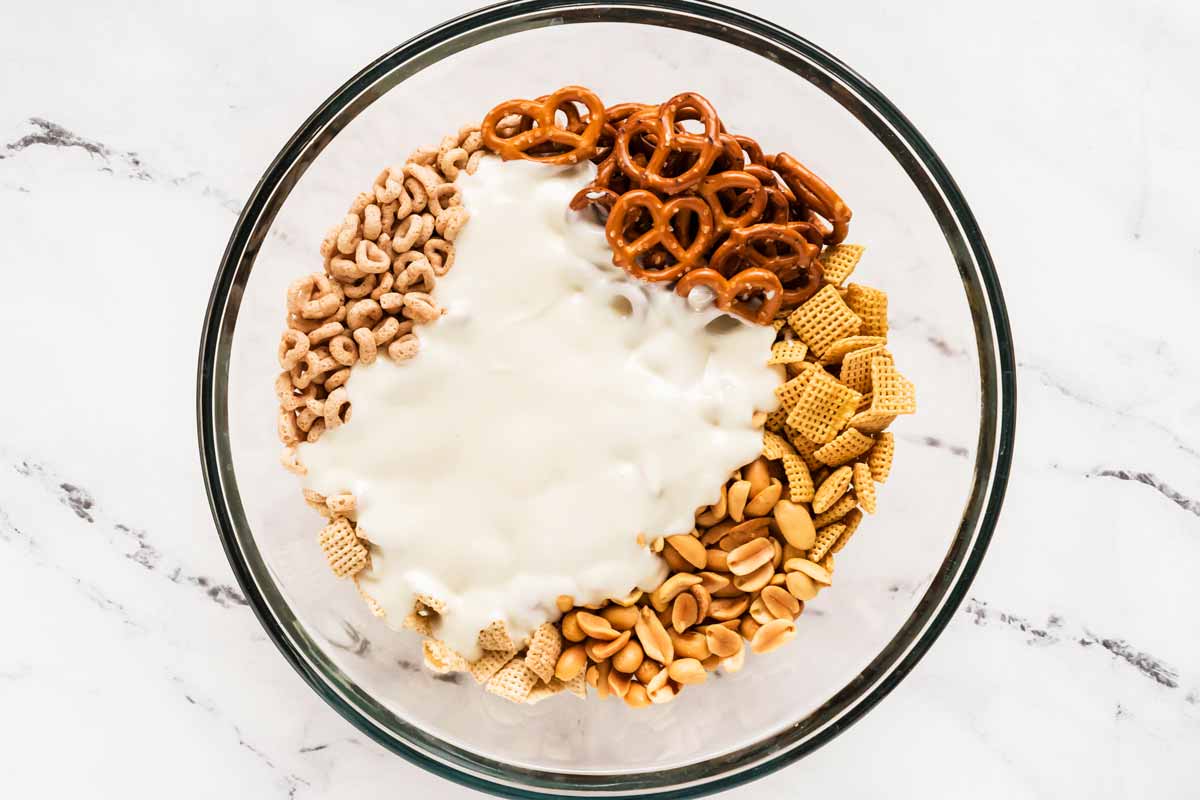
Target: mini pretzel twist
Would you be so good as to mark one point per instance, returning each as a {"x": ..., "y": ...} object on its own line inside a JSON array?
[
  {"x": 629, "y": 251},
  {"x": 754, "y": 294},
  {"x": 670, "y": 140},
  {"x": 545, "y": 140}
]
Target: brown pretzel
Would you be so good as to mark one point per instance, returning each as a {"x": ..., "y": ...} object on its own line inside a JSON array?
[
  {"x": 546, "y": 141},
  {"x": 737, "y": 294},
  {"x": 814, "y": 193},
  {"x": 803, "y": 285},
  {"x": 688, "y": 155},
  {"x": 760, "y": 246},
  {"x": 635, "y": 250},
  {"x": 737, "y": 191}
]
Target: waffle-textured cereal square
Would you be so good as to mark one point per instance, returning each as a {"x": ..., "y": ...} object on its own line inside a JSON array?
[
  {"x": 880, "y": 457},
  {"x": 856, "y": 367},
  {"x": 823, "y": 319},
  {"x": 823, "y": 408},
  {"x": 799, "y": 479},
  {"x": 838, "y": 261},
  {"x": 345, "y": 553},
  {"x": 870, "y": 305},
  {"x": 848, "y": 445}
]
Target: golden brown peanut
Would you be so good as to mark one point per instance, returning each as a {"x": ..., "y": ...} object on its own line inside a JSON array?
[
  {"x": 758, "y": 473},
  {"x": 749, "y": 557},
  {"x": 570, "y": 662},
  {"x": 596, "y": 627},
  {"x": 661, "y": 597},
  {"x": 711, "y": 663},
  {"x": 653, "y": 638},
  {"x": 675, "y": 561},
  {"x": 692, "y": 644},
  {"x": 764, "y": 501},
  {"x": 756, "y": 580},
  {"x": 795, "y": 523},
  {"x": 703, "y": 601},
  {"x": 712, "y": 582},
  {"x": 603, "y": 688},
  {"x": 801, "y": 586},
  {"x": 689, "y": 548},
  {"x": 815, "y": 571},
  {"x": 772, "y": 635},
  {"x": 621, "y": 618},
  {"x": 716, "y": 559},
  {"x": 714, "y": 513},
  {"x": 637, "y": 697},
  {"x": 570, "y": 627},
  {"x": 601, "y": 649},
  {"x": 722, "y": 641},
  {"x": 619, "y": 682},
  {"x": 684, "y": 612},
  {"x": 687, "y": 670},
  {"x": 739, "y": 493},
  {"x": 729, "y": 590},
  {"x": 660, "y": 689},
  {"x": 749, "y": 627},
  {"x": 735, "y": 661},
  {"x": 714, "y": 534},
  {"x": 780, "y": 603},
  {"x": 629, "y": 599},
  {"x": 728, "y": 608},
  {"x": 758, "y": 611},
  {"x": 646, "y": 671},
  {"x": 629, "y": 658}
]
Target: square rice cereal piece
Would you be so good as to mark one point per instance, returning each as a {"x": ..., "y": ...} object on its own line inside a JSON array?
[
  {"x": 823, "y": 319},
  {"x": 790, "y": 351},
  {"x": 880, "y": 457},
  {"x": 345, "y": 553},
  {"x": 545, "y": 645},
  {"x": 495, "y": 637},
  {"x": 776, "y": 420},
  {"x": 799, "y": 479},
  {"x": 826, "y": 538},
  {"x": 823, "y": 408},
  {"x": 856, "y": 367},
  {"x": 838, "y": 350},
  {"x": 805, "y": 447},
  {"x": 871, "y": 305},
  {"x": 851, "y": 521},
  {"x": 513, "y": 682},
  {"x": 775, "y": 446},
  {"x": 848, "y": 445},
  {"x": 441, "y": 658},
  {"x": 839, "y": 261},
  {"x": 789, "y": 391},
  {"x": 489, "y": 664}
]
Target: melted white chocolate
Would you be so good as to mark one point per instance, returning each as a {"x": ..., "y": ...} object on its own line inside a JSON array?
[{"x": 557, "y": 410}]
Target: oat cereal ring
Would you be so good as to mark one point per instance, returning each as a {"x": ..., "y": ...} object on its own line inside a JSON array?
[
  {"x": 337, "y": 408},
  {"x": 324, "y": 333},
  {"x": 404, "y": 348},
  {"x": 427, "y": 225},
  {"x": 314, "y": 433},
  {"x": 285, "y": 392},
  {"x": 411, "y": 268},
  {"x": 290, "y": 459},
  {"x": 364, "y": 313},
  {"x": 383, "y": 286},
  {"x": 388, "y": 186},
  {"x": 428, "y": 176},
  {"x": 473, "y": 161},
  {"x": 302, "y": 374},
  {"x": 293, "y": 346},
  {"x": 367, "y": 349},
  {"x": 389, "y": 329},
  {"x": 319, "y": 362},
  {"x": 288, "y": 433},
  {"x": 443, "y": 197},
  {"x": 423, "y": 155},
  {"x": 329, "y": 243},
  {"x": 391, "y": 302},
  {"x": 416, "y": 191},
  {"x": 420, "y": 307},
  {"x": 472, "y": 139},
  {"x": 370, "y": 258},
  {"x": 306, "y": 418},
  {"x": 344, "y": 269},
  {"x": 356, "y": 290},
  {"x": 337, "y": 379},
  {"x": 450, "y": 222},
  {"x": 343, "y": 350},
  {"x": 347, "y": 238},
  {"x": 406, "y": 235},
  {"x": 361, "y": 201},
  {"x": 372, "y": 222},
  {"x": 452, "y": 162},
  {"x": 440, "y": 254}
]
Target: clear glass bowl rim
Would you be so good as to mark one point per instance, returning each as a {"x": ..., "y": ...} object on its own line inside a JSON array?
[{"x": 994, "y": 447}]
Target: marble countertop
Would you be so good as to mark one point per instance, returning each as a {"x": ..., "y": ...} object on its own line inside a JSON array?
[{"x": 131, "y": 664}]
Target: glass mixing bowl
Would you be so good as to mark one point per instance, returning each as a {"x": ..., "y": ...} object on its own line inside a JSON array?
[{"x": 896, "y": 586}]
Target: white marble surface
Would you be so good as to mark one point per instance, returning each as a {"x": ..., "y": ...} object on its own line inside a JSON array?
[{"x": 130, "y": 666}]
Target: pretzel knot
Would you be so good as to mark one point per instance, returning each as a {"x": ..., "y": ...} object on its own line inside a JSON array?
[
  {"x": 678, "y": 159},
  {"x": 755, "y": 294},
  {"x": 736, "y": 198},
  {"x": 815, "y": 195},
  {"x": 644, "y": 247},
  {"x": 539, "y": 136},
  {"x": 780, "y": 248}
]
